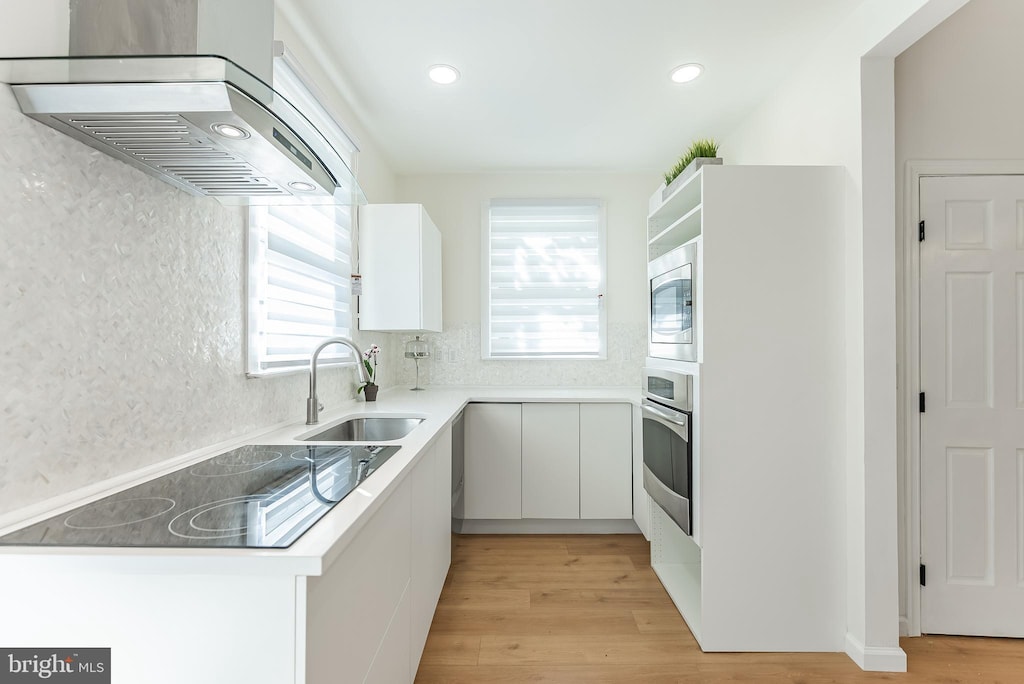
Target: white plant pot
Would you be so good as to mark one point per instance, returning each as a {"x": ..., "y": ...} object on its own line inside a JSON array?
[{"x": 687, "y": 173}]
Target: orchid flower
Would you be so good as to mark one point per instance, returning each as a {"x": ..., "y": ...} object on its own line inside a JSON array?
[{"x": 371, "y": 370}]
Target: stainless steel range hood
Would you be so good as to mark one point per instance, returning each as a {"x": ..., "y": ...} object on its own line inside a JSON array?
[{"x": 200, "y": 122}]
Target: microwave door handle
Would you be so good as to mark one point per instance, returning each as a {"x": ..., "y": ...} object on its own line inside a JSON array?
[{"x": 664, "y": 416}]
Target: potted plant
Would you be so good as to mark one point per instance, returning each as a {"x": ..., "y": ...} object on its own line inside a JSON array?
[
  {"x": 370, "y": 388},
  {"x": 701, "y": 152}
]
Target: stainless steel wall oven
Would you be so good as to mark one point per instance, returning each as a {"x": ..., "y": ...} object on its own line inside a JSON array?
[{"x": 667, "y": 410}]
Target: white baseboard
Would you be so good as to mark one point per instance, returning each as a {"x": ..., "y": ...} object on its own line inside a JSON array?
[
  {"x": 904, "y": 626},
  {"x": 875, "y": 658},
  {"x": 625, "y": 526}
]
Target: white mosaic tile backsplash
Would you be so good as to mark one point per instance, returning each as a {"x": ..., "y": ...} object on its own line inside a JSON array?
[
  {"x": 122, "y": 316},
  {"x": 455, "y": 360}
]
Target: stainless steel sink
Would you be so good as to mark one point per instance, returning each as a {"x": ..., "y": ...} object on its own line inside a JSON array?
[{"x": 365, "y": 430}]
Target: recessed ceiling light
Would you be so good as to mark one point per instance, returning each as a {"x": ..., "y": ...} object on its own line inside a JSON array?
[
  {"x": 443, "y": 74},
  {"x": 686, "y": 73},
  {"x": 302, "y": 186},
  {"x": 229, "y": 131}
]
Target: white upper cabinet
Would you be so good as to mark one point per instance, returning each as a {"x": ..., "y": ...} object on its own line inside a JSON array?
[{"x": 400, "y": 261}]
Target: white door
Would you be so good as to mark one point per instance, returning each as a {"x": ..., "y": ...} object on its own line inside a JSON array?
[{"x": 972, "y": 431}]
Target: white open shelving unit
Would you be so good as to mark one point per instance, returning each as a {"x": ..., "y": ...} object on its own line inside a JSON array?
[{"x": 676, "y": 219}]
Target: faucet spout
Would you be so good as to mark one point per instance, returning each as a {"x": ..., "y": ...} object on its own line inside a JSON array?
[{"x": 312, "y": 403}]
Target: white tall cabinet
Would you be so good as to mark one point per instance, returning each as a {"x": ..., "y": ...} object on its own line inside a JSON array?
[
  {"x": 400, "y": 262},
  {"x": 764, "y": 568}
]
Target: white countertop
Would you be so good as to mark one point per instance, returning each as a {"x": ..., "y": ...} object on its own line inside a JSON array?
[{"x": 322, "y": 543}]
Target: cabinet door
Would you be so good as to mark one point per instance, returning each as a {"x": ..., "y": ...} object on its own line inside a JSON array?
[
  {"x": 390, "y": 663},
  {"x": 442, "y": 528},
  {"x": 400, "y": 259},
  {"x": 430, "y": 274},
  {"x": 431, "y": 537},
  {"x": 551, "y": 461},
  {"x": 494, "y": 441},
  {"x": 422, "y": 599},
  {"x": 606, "y": 456},
  {"x": 354, "y": 604},
  {"x": 390, "y": 260}
]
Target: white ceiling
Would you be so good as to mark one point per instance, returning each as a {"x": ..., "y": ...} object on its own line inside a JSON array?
[{"x": 559, "y": 84}]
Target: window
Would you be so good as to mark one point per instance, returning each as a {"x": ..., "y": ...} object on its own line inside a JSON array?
[
  {"x": 299, "y": 285},
  {"x": 544, "y": 278},
  {"x": 300, "y": 260}
]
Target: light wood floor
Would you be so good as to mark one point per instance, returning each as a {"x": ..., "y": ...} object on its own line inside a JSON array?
[{"x": 588, "y": 608}]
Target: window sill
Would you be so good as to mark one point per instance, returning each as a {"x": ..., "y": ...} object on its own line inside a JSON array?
[
  {"x": 295, "y": 370},
  {"x": 602, "y": 357}
]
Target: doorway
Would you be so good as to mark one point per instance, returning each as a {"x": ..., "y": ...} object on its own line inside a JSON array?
[{"x": 970, "y": 420}]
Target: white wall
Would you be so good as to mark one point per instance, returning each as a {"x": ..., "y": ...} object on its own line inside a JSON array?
[
  {"x": 956, "y": 98},
  {"x": 958, "y": 93},
  {"x": 837, "y": 109},
  {"x": 122, "y": 307},
  {"x": 455, "y": 202}
]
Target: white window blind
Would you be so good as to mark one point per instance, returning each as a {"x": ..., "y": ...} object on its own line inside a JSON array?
[
  {"x": 544, "y": 274},
  {"x": 300, "y": 257},
  {"x": 299, "y": 284}
]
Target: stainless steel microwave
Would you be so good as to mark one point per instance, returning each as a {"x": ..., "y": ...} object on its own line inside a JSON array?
[{"x": 672, "y": 329}]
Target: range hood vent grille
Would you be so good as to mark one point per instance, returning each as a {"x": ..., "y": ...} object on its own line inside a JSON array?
[
  {"x": 164, "y": 115},
  {"x": 170, "y": 144}
]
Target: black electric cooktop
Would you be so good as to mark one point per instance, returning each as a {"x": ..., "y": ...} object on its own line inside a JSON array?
[{"x": 252, "y": 497}]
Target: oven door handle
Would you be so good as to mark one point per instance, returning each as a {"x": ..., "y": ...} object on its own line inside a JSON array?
[{"x": 663, "y": 415}]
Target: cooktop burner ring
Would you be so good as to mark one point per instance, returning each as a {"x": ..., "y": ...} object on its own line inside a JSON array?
[
  {"x": 140, "y": 509},
  {"x": 238, "y": 462},
  {"x": 186, "y": 522}
]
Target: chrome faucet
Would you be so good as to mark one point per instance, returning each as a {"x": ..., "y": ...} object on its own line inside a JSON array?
[{"x": 313, "y": 406}]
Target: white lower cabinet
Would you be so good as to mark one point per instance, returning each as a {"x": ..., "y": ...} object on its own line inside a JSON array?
[
  {"x": 368, "y": 615},
  {"x": 606, "y": 468},
  {"x": 390, "y": 666},
  {"x": 350, "y": 608},
  {"x": 494, "y": 461},
  {"x": 431, "y": 539},
  {"x": 549, "y": 461}
]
